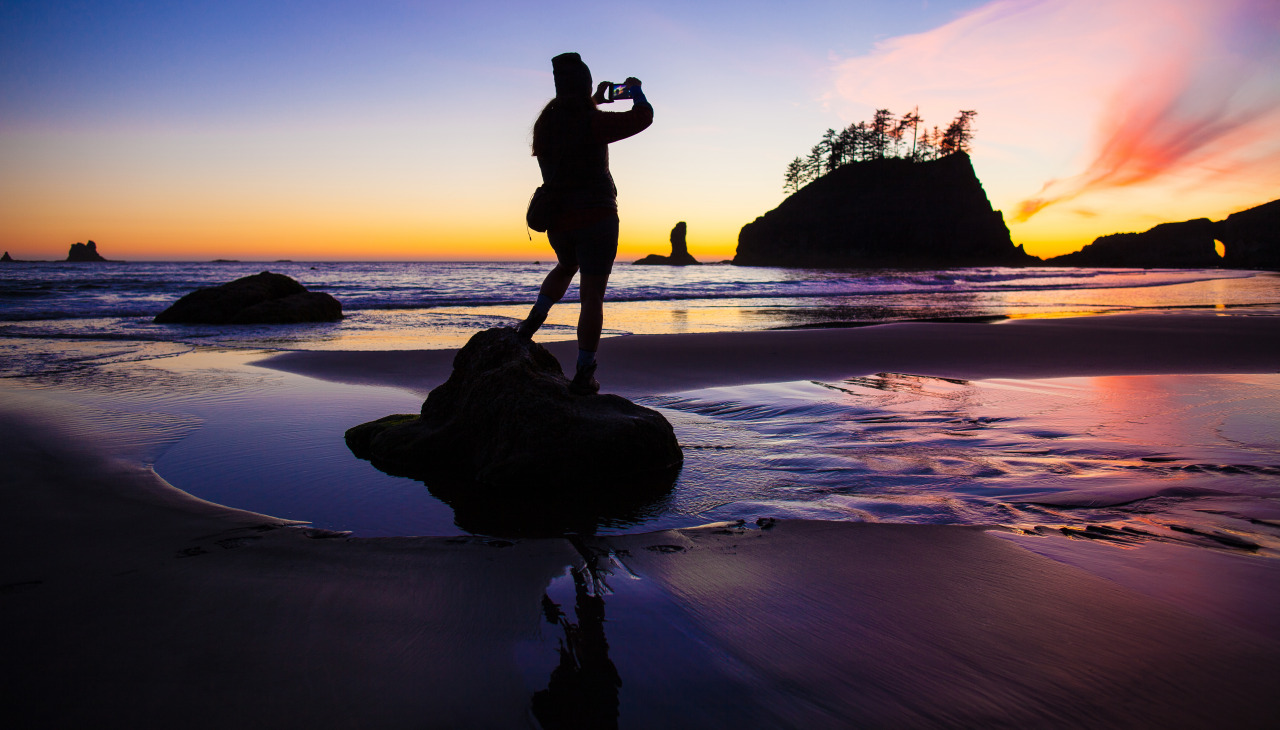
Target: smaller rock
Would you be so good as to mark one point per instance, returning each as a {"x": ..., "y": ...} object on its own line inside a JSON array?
[
  {"x": 264, "y": 298},
  {"x": 679, "y": 251},
  {"x": 82, "y": 252},
  {"x": 6, "y": 257}
]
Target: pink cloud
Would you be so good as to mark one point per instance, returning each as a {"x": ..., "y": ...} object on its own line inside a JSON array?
[
  {"x": 1095, "y": 94},
  {"x": 1211, "y": 111}
]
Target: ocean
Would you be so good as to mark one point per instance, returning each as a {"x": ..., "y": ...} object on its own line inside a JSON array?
[
  {"x": 59, "y": 316},
  {"x": 1190, "y": 459}
]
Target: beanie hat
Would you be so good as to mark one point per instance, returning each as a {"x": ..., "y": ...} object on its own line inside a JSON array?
[{"x": 572, "y": 76}]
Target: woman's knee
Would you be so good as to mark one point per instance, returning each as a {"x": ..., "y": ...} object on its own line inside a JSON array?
[{"x": 591, "y": 289}]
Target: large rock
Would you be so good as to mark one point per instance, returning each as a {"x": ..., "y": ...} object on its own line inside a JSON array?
[
  {"x": 890, "y": 212},
  {"x": 1188, "y": 244},
  {"x": 82, "y": 252},
  {"x": 1251, "y": 238},
  {"x": 264, "y": 298},
  {"x": 504, "y": 425},
  {"x": 680, "y": 255}
]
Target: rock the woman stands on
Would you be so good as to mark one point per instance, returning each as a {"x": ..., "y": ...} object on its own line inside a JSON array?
[{"x": 571, "y": 140}]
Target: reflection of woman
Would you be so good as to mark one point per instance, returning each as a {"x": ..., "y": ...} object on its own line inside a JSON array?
[{"x": 571, "y": 141}]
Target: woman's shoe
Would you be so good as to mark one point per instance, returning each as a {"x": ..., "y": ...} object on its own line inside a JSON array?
[
  {"x": 584, "y": 381},
  {"x": 530, "y": 325}
]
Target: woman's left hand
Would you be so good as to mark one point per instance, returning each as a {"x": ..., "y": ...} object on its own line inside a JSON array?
[{"x": 598, "y": 97}]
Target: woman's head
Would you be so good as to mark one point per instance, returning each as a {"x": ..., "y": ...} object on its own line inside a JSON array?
[
  {"x": 571, "y": 105},
  {"x": 573, "y": 78}
]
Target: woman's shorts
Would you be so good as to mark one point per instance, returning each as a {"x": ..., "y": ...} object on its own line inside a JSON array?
[{"x": 590, "y": 248}]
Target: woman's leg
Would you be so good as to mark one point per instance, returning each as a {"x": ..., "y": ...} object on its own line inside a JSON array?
[
  {"x": 553, "y": 288},
  {"x": 590, "y": 321},
  {"x": 596, "y": 255},
  {"x": 591, "y": 316},
  {"x": 557, "y": 282}
]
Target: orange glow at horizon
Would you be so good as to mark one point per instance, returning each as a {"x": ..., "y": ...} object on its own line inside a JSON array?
[
  {"x": 312, "y": 235},
  {"x": 272, "y": 195}
]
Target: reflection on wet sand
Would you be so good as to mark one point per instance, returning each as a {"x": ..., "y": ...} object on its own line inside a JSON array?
[
  {"x": 583, "y": 689},
  {"x": 1189, "y": 459},
  {"x": 615, "y": 503}
]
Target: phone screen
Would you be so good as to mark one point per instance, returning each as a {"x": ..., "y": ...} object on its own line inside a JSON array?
[{"x": 620, "y": 91}]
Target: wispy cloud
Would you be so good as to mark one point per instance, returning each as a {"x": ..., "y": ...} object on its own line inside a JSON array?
[
  {"x": 1213, "y": 110},
  {"x": 1097, "y": 94}
]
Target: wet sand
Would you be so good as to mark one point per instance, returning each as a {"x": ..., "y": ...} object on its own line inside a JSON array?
[
  {"x": 1124, "y": 344},
  {"x": 133, "y": 604}
]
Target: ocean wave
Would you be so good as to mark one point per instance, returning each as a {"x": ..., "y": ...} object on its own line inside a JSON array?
[
  {"x": 49, "y": 315},
  {"x": 144, "y": 290}
]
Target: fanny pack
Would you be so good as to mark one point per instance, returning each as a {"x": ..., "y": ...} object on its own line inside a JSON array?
[{"x": 545, "y": 206}]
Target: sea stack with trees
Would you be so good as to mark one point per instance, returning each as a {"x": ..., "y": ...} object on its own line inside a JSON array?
[{"x": 888, "y": 192}]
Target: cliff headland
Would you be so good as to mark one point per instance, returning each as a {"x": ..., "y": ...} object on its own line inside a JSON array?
[{"x": 1250, "y": 239}]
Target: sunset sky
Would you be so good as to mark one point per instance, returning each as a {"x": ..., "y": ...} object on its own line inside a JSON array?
[{"x": 400, "y": 130}]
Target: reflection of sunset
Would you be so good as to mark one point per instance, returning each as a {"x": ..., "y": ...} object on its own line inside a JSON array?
[
  {"x": 1121, "y": 461},
  {"x": 1213, "y": 293}
]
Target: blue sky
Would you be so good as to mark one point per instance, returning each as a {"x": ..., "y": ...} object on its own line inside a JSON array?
[{"x": 400, "y": 129}]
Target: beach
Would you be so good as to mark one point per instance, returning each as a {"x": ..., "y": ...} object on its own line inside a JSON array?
[
  {"x": 941, "y": 389},
  {"x": 1141, "y": 590}
]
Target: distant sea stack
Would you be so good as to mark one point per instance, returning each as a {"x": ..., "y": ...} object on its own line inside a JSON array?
[
  {"x": 679, "y": 250},
  {"x": 264, "y": 298},
  {"x": 84, "y": 252},
  {"x": 6, "y": 258},
  {"x": 888, "y": 212},
  {"x": 1189, "y": 244},
  {"x": 1251, "y": 237}
]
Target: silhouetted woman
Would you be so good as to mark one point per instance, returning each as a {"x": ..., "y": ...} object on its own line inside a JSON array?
[{"x": 571, "y": 141}]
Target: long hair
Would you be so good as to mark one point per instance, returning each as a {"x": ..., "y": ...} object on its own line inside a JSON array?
[{"x": 560, "y": 120}]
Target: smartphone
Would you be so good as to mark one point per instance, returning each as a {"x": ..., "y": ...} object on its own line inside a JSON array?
[{"x": 619, "y": 91}]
